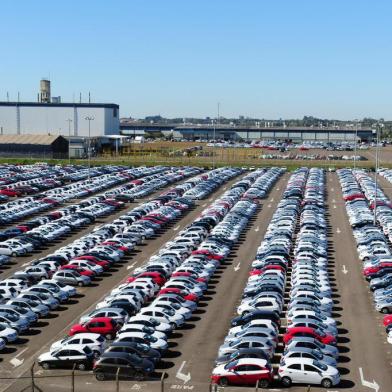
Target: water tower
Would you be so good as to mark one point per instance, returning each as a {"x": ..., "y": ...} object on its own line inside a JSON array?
[{"x": 45, "y": 91}]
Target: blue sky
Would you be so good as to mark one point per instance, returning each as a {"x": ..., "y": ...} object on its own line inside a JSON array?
[{"x": 259, "y": 58}]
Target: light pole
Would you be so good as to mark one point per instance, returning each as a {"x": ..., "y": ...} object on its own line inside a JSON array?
[
  {"x": 356, "y": 142},
  {"x": 89, "y": 119},
  {"x": 378, "y": 125},
  {"x": 69, "y": 140}
]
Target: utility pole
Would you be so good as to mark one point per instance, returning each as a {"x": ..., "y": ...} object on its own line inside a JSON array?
[
  {"x": 69, "y": 140},
  {"x": 89, "y": 119},
  {"x": 356, "y": 142},
  {"x": 375, "y": 172}
]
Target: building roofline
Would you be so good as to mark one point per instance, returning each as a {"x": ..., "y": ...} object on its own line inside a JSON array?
[{"x": 65, "y": 104}]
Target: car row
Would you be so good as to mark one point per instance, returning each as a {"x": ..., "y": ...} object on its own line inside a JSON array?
[
  {"x": 373, "y": 241},
  {"x": 310, "y": 354},
  {"x": 141, "y": 332}
]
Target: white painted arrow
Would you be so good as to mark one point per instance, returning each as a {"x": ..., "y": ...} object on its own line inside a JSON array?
[
  {"x": 344, "y": 270},
  {"x": 338, "y": 231},
  {"x": 269, "y": 206},
  {"x": 332, "y": 189},
  {"x": 277, "y": 189},
  {"x": 333, "y": 201},
  {"x": 176, "y": 228},
  {"x": 372, "y": 385},
  {"x": 183, "y": 377},
  {"x": 131, "y": 265},
  {"x": 334, "y": 206},
  {"x": 204, "y": 204},
  {"x": 16, "y": 362},
  {"x": 272, "y": 200},
  {"x": 257, "y": 229},
  {"x": 237, "y": 267}
]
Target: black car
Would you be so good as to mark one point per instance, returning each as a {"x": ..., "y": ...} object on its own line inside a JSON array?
[
  {"x": 256, "y": 315},
  {"x": 125, "y": 198},
  {"x": 140, "y": 349},
  {"x": 242, "y": 353},
  {"x": 124, "y": 364}
]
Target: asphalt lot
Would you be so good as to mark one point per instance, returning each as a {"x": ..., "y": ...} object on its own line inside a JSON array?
[
  {"x": 38, "y": 340},
  {"x": 193, "y": 348}
]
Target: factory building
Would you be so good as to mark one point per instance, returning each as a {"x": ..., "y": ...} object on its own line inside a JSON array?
[
  {"x": 41, "y": 118},
  {"x": 34, "y": 146}
]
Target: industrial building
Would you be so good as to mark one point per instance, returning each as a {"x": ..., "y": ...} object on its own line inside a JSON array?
[
  {"x": 236, "y": 133},
  {"x": 49, "y": 116},
  {"x": 34, "y": 146},
  {"x": 40, "y": 118}
]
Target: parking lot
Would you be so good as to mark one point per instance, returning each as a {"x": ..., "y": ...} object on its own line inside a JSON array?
[{"x": 365, "y": 357}]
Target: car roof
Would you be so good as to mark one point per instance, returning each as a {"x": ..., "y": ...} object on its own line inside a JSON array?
[
  {"x": 306, "y": 361},
  {"x": 114, "y": 354},
  {"x": 253, "y": 361},
  {"x": 86, "y": 335}
]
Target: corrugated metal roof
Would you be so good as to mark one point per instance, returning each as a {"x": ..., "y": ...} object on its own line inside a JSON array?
[{"x": 28, "y": 139}]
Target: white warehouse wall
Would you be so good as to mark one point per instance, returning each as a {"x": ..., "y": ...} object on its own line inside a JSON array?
[{"x": 48, "y": 119}]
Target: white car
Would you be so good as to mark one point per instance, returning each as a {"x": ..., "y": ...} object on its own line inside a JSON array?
[
  {"x": 140, "y": 337},
  {"x": 97, "y": 343},
  {"x": 7, "y": 334},
  {"x": 150, "y": 321},
  {"x": 307, "y": 371},
  {"x": 163, "y": 315}
]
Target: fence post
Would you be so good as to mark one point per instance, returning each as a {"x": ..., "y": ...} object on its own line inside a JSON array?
[
  {"x": 117, "y": 380},
  {"x": 257, "y": 386},
  {"x": 73, "y": 378},
  {"x": 163, "y": 382},
  {"x": 308, "y": 388},
  {"x": 32, "y": 377}
]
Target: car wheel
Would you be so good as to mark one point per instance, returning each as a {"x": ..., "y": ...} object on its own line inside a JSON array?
[
  {"x": 80, "y": 284},
  {"x": 223, "y": 382},
  {"x": 138, "y": 376},
  {"x": 100, "y": 376},
  {"x": 263, "y": 383},
  {"x": 286, "y": 381},
  {"x": 97, "y": 354},
  {"x": 109, "y": 336},
  {"x": 326, "y": 383},
  {"x": 81, "y": 366},
  {"x": 45, "y": 365},
  {"x": 385, "y": 310}
]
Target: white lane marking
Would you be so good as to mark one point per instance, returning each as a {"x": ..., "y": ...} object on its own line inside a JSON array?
[
  {"x": 15, "y": 362},
  {"x": 269, "y": 206},
  {"x": 344, "y": 269},
  {"x": 204, "y": 204},
  {"x": 176, "y": 228},
  {"x": 237, "y": 267},
  {"x": 25, "y": 264},
  {"x": 181, "y": 376},
  {"x": 131, "y": 265},
  {"x": 257, "y": 229},
  {"x": 333, "y": 201},
  {"x": 332, "y": 189},
  {"x": 272, "y": 200},
  {"x": 338, "y": 231},
  {"x": 21, "y": 352},
  {"x": 372, "y": 385},
  {"x": 334, "y": 206}
]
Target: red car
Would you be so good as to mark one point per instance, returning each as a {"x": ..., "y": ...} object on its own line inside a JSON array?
[
  {"x": 184, "y": 273},
  {"x": 116, "y": 245},
  {"x": 81, "y": 270},
  {"x": 155, "y": 276},
  {"x": 208, "y": 254},
  {"x": 103, "y": 263},
  {"x": 105, "y": 326},
  {"x": 354, "y": 196},
  {"x": 184, "y": 294},
  {"x": 375, "y": 268},
  {"x": 387, "y": 319},
  {"x": 266, "y": 268},
  {"x": 245, "y": 371},
  {"x": 308, "y": 332},
  {"x": 9, "y": 192}
]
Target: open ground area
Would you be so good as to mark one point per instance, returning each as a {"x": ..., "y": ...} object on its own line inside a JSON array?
[{"x": 188, "y": 358}]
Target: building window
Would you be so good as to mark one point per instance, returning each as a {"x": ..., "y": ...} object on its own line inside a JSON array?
[{"x": 115, "y": 113}]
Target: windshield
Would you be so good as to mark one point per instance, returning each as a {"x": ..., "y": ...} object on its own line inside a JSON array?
[
  {"x": 142, "y": 347},
  {"x": 320, "y": 365},
  {"x": 231, "y": 364}
]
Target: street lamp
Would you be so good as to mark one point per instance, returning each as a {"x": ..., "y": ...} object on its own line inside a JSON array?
[
  {"x": 69, "y": 139},
  {"x": 89, "y": 119},
  {"x": 378, "y": 126},
  {"x": 356, "y": 142}
]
